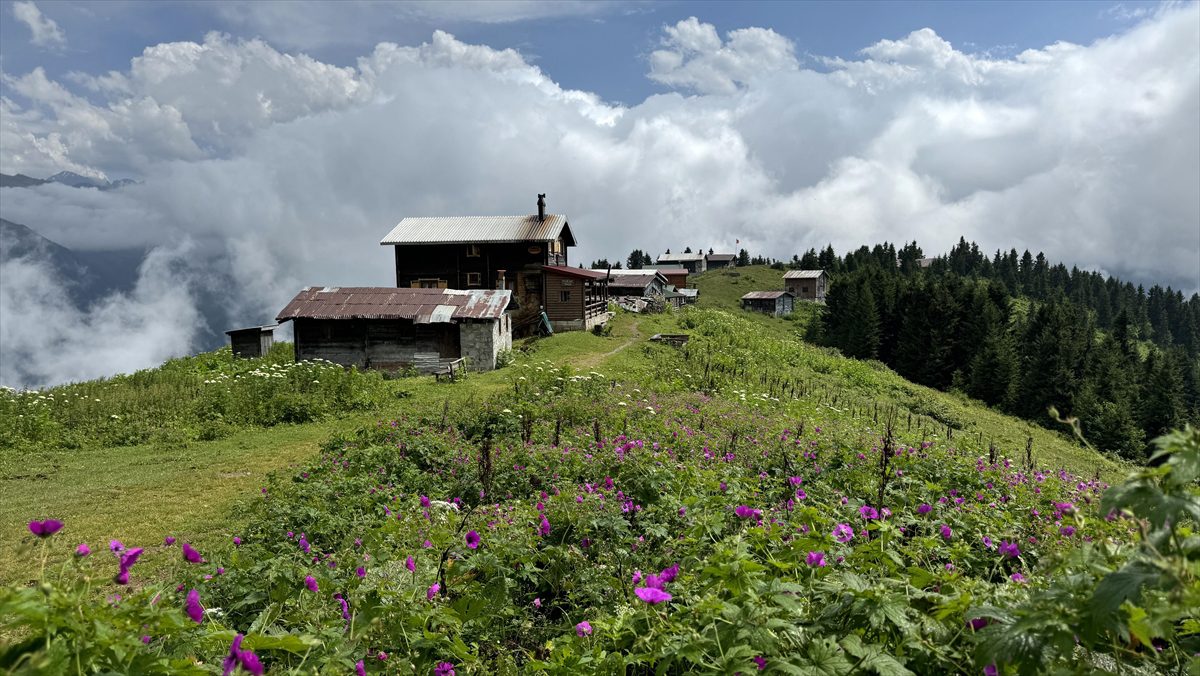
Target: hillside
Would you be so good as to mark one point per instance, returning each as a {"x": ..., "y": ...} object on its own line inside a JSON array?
[{"x": 514, "y": 521}]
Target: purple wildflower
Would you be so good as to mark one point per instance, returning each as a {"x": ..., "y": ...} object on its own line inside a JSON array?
[
  {"x": 946, "y": 532},
  {"x": 82, "y": 550},
  {"x": 544, "y": 529},
  {"x": 360, "y": 669},
  {"x": 583, "y": 629},
  {"x": 193, "y": 608},
  {"x": 990, "y": 670},
  {"x": 169, "y": 540},
  {"x": 411, "y": 564},
  {"x": 45, "y": 529},
  {"x": 311, "y": 583},
  {"x": 652, "y": 595},
  {"x": 925, "y": 508},
  {"x": 816, "y": 559},
  {"x": 868, "y": 512},
  {"x": 1009, "y": 549},
  {"x": 843, "y": 532},
  {"x": 190, "y": 554},
  {"x": 443, "y": 669},
  {"x": 433, "y": 590},
  {"x": 472, "y": 539},
  {"x": 361, "y": 572},
  {"x": 669, "y": 574},
  {"x": 761, "y": 662},
  {"x": 745, "y": 512},
  {"x": 237, "y": 541}
]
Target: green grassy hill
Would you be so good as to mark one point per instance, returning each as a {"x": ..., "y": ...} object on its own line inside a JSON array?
[{"x": 808, "y": 513}]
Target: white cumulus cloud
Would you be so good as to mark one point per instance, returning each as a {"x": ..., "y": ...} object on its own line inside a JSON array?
[{"x": 1090, "y": 153}]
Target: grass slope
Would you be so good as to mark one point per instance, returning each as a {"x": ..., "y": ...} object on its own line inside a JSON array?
[{"x": 170, "y": 482}]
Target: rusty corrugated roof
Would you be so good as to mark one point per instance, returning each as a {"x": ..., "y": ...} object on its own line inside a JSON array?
[
  {"x": 765, "y": 295},
  {"x": 423, "y": 306},
  {"x": 476, "y": 229},
  {"x": 578, "y": 273},
  {"x": 803, "y": 274}
]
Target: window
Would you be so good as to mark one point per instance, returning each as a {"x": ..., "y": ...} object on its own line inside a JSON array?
[
  {"x": 564, "y": 296},
  {"x": 474, "y": 279},
  {"x": 804, "y": 289},
  {"x": 472, "y": 251},
  {"x": 428, "y": 284}
]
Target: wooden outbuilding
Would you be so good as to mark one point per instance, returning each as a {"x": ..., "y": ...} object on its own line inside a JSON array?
[
  {"x": 643, "y": 283},
  {"x": 694, "y": 262},
  {"x": 576, "y": 299},
  {"x": 390, "y": 328},
  {"x": 778, "y": 303},
  {"x": 806, "y": 284},
  {"x": 252, "y": 342},
  {"x": 716, "y": 261}
]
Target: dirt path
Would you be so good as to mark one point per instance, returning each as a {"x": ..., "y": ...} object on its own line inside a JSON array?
[{"x": 593, "y": 360}]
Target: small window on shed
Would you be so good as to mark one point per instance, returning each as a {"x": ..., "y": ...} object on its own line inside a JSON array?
[
  {"x": 804, "y": 289},
  {"x": 472, "y": 251},
  {"x": 474, "y": 279},
  {"x": 564, "y": 296}
]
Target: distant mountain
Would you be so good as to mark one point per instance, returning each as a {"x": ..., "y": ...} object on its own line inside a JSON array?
[
  {"x": 88, "y": 275},
  {"x": 65, "y": 178},
  {"x": 19, "y": 181}
]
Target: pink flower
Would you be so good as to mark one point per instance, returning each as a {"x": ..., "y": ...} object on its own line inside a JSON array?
[
  {"x": 362, "y": 572},
  {"x": 652, "y": 595},
  {"x": 583, "y": 629},
  {"x": 433, "y": 590},
  {"x": 472, "y": 539},
  {"x": 761, "y": 662},
  {"x": 311, "y": 583},
  {"x": 443, "y": 669},
  {"x": 946, "y": 532},
  {"x": 237, "y": 541},
  {"x": 669, "y": 574},
  {"x": 1017, "y": 577},
  {"x": 45, "y": 529},
  {"x": 745, "y": 512},
  {"x": 1009, "y": 549},
  {"x": 169, "y": 540},
  {"x": 816, "y": 559},
  {"x": 544, "y": 529},
  {"x": 868, "y": 512},
  {"x": 360, "y": 669},
  {"x": 193, "y": 608},
  {"x": 411, "y": 564},
  {"x": 925, "y": 508},
  {"x": 82, "y": 550},
  {"x": 537, "y": 603}
]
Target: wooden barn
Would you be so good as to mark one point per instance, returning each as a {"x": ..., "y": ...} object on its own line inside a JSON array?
[
  {"x": 252, "y": 342},
  {"x": 778, "y": 303},
  {"x": 694, "y": 262},
  {"x": 806, "y": 284},
  {"x": 575, "y": 299},
  {"x": 490, "y": 252},
  {"x": 716, "y": 261},
  {"x": 389, "y": 328},
  {"x": 675, "y": 273}
]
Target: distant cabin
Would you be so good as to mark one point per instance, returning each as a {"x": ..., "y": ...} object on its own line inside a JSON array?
[
  {"x": 644, "y": 283},
  {"x": 693, "y": 262},
  {"x": 778, "y": 303},
  {"x": 252, "y": 342},
  {"x": 676, "y": 274},
  {"x": 715, "y": 261},
  {"x": 390, "y": 329},
  {"x": 806, "y": 284}
]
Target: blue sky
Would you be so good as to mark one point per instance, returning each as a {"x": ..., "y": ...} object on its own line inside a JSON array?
[
  {"x": 275, "y": 143},
  {"x": 599, "y": 47}
]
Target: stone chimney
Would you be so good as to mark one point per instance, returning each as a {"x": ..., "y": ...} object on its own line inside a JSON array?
[
  {"x": 500, "y": 281},
  {"x": 541, "y": 206}
]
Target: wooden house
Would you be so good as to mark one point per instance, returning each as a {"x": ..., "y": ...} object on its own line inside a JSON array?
[
  {"x": 252, "y": 342},
  {"x": 715, "y": 261},
  {"x": 576, "y": 299},
  {"x": 643, "y": 283},
  {"x": 389, "y": 328},
  {"x": 694, "y": 262},
  {"x": 806, "y": 284},
  {"x": 676, "y": 274},
  {"x": 491, "y": 252},
  {"x": 778, "y": 303}
]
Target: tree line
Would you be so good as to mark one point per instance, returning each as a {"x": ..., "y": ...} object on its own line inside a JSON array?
[{"x": 1021, "y": 335}]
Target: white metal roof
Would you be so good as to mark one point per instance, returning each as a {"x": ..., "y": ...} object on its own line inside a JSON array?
[
  {"x": 471, "y": 229},
  {"x": 803, "y": 274},
  {"x": 679, "y": 257}
]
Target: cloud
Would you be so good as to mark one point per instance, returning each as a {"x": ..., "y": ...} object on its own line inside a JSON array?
[
  {"x": 45, "y": 32},
  {"x": 1089, "y": 153},
  {"x": 695, "y": 58}
]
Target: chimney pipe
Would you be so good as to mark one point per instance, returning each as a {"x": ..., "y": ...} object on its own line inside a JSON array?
[{"x": 541, "y": 206}]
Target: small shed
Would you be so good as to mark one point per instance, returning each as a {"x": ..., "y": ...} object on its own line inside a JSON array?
[
  {"x": 778, "y": 303},
  {"x": 252, "y": 342},
  {"x": 576, "y": 299},
  {"x": 694, "y": 262},
  {"x": 716, "y": 261},
  {"x": 806, "y": 284},
  {"x": 675, "y": 273},
  {"x": 393, "y": 328}
]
